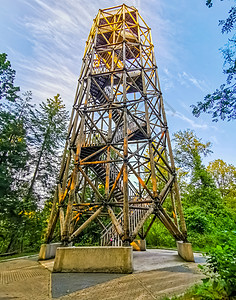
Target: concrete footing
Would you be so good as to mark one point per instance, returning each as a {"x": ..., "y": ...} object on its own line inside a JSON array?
[
  {"x": 185, "y": 251},
  {"x": 48, "y": 251},
  {"x": 94, "y": 259},
  {"x": 139, "y": 245}
]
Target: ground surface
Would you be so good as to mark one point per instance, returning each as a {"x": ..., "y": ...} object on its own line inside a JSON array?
[{"x": 156, "y": 273}]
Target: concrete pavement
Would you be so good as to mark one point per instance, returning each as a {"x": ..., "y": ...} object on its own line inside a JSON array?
[{"x": 156, "y": 273}]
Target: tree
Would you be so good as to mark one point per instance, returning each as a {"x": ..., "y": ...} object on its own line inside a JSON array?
[
  {"x": 202, "y": 190},
  {"x": 49, "y": 125},
  {"x": 224, "y": 175},
  {"x": 29, "y": 145},
  {"x": 30, "y": 141},
  {"x": 7, "y": 76},
  {"x": 14, "y": 154},
  {"x": 188, "y": 147},
  {"x": 13, "y": 145},
  {"x": 221, "y": 104},
  {"x": 200, "y": 196}
]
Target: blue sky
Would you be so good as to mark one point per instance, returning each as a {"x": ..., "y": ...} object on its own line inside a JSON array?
[{"x": 45, "y": 40}]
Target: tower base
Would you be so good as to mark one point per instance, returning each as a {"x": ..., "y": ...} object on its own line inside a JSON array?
[
  {"x": 139, "y": 245},
  {"x": 48, "y": 251},
  {"x": 185, "y": 251},
  {"x": 94, "y": 259}
]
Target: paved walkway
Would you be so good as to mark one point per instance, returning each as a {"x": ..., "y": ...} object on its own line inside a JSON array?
[{"x": 156, "y": 273}]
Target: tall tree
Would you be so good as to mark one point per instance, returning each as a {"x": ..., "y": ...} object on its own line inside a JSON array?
[
  {"x": 13, "y": 144},
  {"x": 224, "y": 175},
  {"x": 188, "y": 147},
  {"x": 202, "y": 190},
  {"x": 49, "y": 124},
  {"x": 221, "y": 104},
  {"x": 14, "y": 154},
  {"x": 7, "y": 76}
]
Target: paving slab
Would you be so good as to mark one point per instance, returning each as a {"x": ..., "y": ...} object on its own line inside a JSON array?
[
  {"x": 66, "y": 283},
  {"x": 139, "y": 286},
  {"x": 24, "y": 279}
]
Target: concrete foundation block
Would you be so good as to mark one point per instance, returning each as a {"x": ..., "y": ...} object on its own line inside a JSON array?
[
  {"x": 48, "y": 251},
  {"x": 185, "y": 251},
  {"x": 139, "y": 245},
  {"x": 94, "y": 259}
]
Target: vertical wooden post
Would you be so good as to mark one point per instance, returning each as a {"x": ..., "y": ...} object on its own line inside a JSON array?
[
  {"x": 152, "y": 163},
  {"x": 109, "y": 135},
  {"x": 84, "y": 186},
  {"x": 53, "y": 217},
  {"x": 176, "y": 186},
  {"x": 74, "y": 177},
  {"x": 125, "y": 159}
]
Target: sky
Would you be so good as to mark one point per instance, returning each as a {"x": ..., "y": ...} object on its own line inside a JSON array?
[{"x": 45, "y": 41}]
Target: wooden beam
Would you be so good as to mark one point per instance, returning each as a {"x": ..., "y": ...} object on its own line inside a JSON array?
[
  {"x": 149, "y": 226},
  {"x": 141, "y": 222},
  {"x": 115, "y": 183},
  {"x": 90, "y": 182},
  {"x": 115, "y": 222},
  {"x": 86, "y": 223}
]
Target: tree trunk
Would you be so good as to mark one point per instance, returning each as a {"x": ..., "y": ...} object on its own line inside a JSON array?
[{"x": 37, "y": 164}]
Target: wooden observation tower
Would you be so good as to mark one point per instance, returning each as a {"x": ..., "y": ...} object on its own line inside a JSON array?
[{"x": 118, "y": 166}]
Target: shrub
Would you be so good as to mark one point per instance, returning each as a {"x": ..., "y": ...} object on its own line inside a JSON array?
[
  {"x": 196, "y": 219},
  {"x": 220, "y": 269}
]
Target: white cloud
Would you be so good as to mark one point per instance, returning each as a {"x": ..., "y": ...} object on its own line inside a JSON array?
[
  {"x": 57, "y": 32},
  {"x": 188, "y": 80},
  {"x": 194, "y": 123}
]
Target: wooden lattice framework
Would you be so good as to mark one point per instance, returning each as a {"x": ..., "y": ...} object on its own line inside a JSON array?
[{"x": 118, "y": 161}]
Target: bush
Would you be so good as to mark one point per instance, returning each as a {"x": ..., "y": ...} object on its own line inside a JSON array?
[
  {"x": 220, "y": 270},
  {"x": 196, "y": 219}
]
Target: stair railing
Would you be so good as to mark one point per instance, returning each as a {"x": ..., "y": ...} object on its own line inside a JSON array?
[{"x": 110, "y": 237}]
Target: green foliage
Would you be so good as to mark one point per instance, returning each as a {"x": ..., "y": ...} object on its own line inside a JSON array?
[
  {"x": 7, "y": 76},
  {"x": 204, "y": 209},
  {"x": 20, "y": 226},
  {"x": 225, "y": 179},
  {"x": 202, "y": 191},
  {"x": 48, "y": 134},
  {"x": 13, "y": 144},
  {"x": 158, "y": 236},
  {"x": 205, "y": 229},
  {"x": 220, "y": 270},
  {"x": 89, "y": 236},
  {"x": 221, "y": 104},
  {"x": 224, "y": 176},
  {"x": 221, "y": 266},
  {"x": 187, "y": 147},
  {"x": 196, "y": 219},
  {"x": 29, "y": 147}
]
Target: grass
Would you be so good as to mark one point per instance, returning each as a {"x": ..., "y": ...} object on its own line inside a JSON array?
[{"x": 18, "y": 255}]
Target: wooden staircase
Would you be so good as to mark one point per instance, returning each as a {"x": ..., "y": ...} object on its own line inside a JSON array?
[
  {"x": 100, "y": 171},
  {"x": 110, "y": 237},
  {"x": 102, "y": 97}
]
